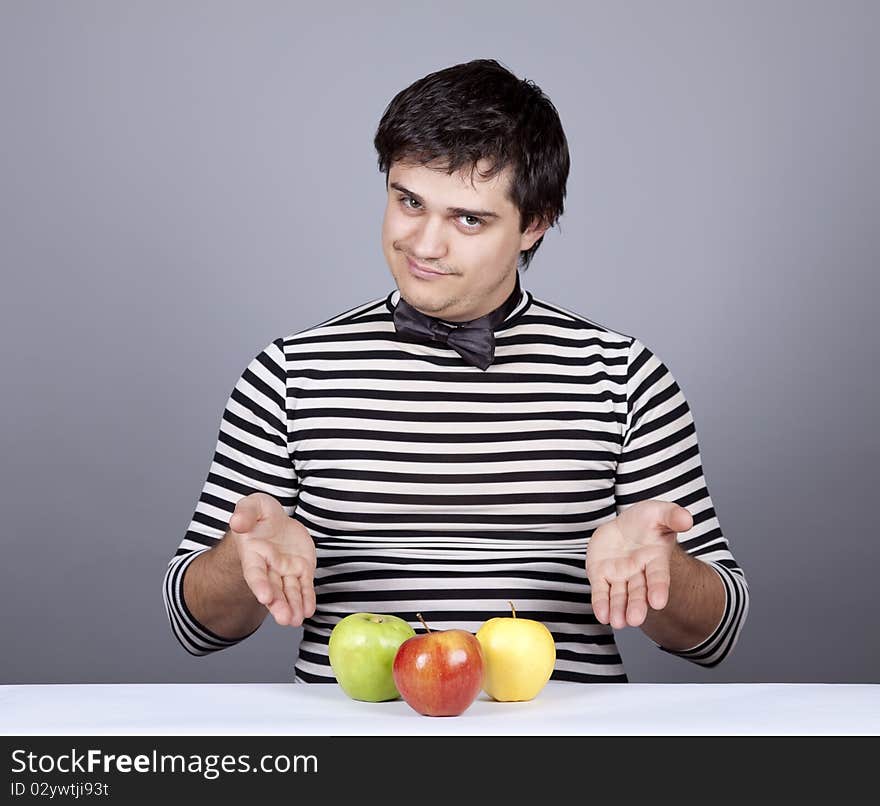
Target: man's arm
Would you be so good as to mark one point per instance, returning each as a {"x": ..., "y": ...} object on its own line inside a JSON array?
[
  {"x": 204, "y": 590},
  {"x": 264, "y": 563},
  {"x": 215, "y": 591},
  {"x": 641, "y": 576},
  {"x": 696, "y": 604},
  {"x": 706, "y": 597}
]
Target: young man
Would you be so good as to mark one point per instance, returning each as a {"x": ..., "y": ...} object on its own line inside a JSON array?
[{"x": 460, "y": 444}]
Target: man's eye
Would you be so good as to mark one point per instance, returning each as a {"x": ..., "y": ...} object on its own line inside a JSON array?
[{"x": 471, "y": 222}]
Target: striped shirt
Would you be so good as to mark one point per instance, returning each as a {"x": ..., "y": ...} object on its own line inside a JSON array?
[{"x": 430, "y": 486}]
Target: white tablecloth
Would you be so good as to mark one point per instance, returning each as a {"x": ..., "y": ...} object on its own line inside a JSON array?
[{"x": 561, "y": 709}]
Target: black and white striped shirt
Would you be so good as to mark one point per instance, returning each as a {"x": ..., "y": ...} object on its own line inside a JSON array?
[{"x": 430, "y": 486}]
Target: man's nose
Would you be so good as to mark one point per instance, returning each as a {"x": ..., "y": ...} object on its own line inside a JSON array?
[{"x": 429, "y": 242}]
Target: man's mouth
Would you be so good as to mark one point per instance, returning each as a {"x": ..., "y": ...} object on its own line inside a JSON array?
[{"x": 418, "y": 269}]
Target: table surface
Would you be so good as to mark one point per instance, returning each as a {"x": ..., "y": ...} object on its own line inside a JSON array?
[{"x": 561, "y": 709}]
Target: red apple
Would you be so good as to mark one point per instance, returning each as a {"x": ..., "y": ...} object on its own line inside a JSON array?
[{"x": 439, "y": 673}]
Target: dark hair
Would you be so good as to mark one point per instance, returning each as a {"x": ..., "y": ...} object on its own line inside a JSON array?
[{"x": 480, "y": 110}]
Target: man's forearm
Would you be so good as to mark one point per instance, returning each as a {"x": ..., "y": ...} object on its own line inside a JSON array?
[
  {"x": 218, "y": 596},
  {"x": 695, "y": 607}
]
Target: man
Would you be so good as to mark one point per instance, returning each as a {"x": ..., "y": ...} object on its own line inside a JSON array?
[{"x": 460, "y": 444}]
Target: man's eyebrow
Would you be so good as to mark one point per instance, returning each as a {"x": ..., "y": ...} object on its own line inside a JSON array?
[{"x": 453, "y": 210}]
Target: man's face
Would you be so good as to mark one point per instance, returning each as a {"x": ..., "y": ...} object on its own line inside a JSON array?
[{"x": 452, "y": 246}]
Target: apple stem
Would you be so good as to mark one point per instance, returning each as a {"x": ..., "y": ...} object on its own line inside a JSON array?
[
  {"x": 513, "y": 609},
  {"x": 427, "y": 628}
]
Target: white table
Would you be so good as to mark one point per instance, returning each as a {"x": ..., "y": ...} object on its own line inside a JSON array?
[{"x": 561, "y": 709}]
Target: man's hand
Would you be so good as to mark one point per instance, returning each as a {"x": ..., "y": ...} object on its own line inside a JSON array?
[
  {"x": 277, "y": 558},
  {"x": 628, "y": 561}
]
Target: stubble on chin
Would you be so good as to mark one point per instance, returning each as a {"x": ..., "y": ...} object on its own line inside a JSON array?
[
  {"x": 426, "y": 305},
  {"x": 427, "y": 302}
]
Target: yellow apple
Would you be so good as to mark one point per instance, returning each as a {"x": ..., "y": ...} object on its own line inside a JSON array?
[{"x": 519, "y": 655}]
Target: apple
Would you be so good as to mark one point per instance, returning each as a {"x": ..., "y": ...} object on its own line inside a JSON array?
[
  {"x": 520, "y": 655},
  {"x": 439, "y": 673},
  {"x": 361, "y": 650}
]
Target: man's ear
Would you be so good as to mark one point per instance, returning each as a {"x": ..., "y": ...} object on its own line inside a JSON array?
[{"x": 534, "y": 231}]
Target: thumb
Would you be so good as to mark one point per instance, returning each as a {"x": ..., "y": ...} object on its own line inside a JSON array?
[
  {"x": 247, "y": 513},
  {"x": 677, "y": 518}
]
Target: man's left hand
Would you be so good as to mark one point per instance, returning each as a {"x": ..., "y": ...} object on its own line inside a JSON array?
[{"x": 628, "y": 561}]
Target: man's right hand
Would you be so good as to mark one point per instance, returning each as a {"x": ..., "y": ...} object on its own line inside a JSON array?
[{"x": 277, "y": 558}]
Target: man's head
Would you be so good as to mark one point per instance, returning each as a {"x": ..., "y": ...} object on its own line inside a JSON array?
[{"x": 476, "y": 163}]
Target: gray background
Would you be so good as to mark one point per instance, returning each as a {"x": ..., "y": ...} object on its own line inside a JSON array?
[{"x": 182, "y": 183}]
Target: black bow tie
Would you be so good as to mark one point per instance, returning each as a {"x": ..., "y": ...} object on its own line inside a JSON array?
[{"x": 474, "y": 341}]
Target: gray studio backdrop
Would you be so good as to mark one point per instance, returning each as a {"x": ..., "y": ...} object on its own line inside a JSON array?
[{"x": 181, "y": 183}]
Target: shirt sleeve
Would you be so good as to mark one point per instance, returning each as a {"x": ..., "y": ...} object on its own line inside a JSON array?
[
  {"x": 660, "y": 460},
  {"x": 251, "y": 456}
]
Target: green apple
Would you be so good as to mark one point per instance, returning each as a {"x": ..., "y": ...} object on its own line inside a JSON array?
[
  {"x": 520, "y": 655},
  {"x": 362, "y": 649}
]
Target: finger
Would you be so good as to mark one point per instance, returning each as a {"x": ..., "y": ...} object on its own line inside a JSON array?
[
  {"x": 256, "y": 574},
  {"x": 600, "y": 590},
  {"x": 618, "y": 604},
  {"x": 677, "y": 518},
  {"x": 307, "y": 582},
  {"x": 293, "y": 593},
  {"x": 246, "y": 515},
  {"x": 279, "y": 606},
  {"x": 637, "y": 604},
  {"x": 657, "y": 577}
]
